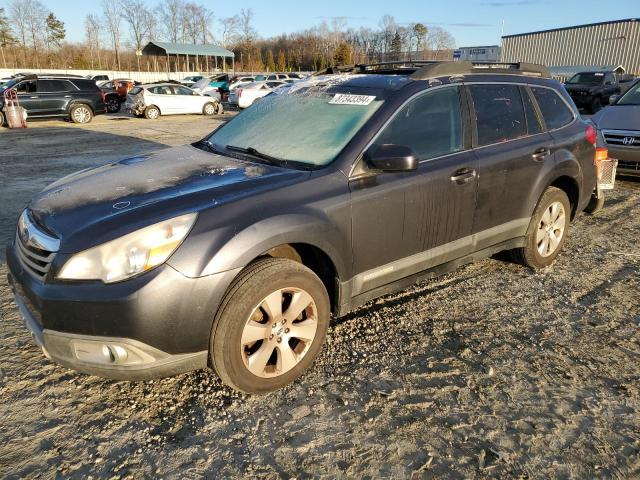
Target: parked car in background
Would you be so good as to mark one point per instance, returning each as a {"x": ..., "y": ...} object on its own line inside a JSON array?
[
  {"x": 618, "y": 128},
  {"x": 234, "y": 252},
  {"x": 236, "y": 82},
  {"x": 72, "y": 97},
  {"x": 189, "y": 81},
  {"x": 98, "y": 78},
  {"x": 115, "y": 92},
  {"x": 247, "y": 95},
  {"x": 217, "y": 83},
  {"x": 158, "y": 99},
  {"x": 591, "y": 90}
]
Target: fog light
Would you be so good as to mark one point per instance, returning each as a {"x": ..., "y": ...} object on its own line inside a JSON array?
[{"x": 109, "y": 353}]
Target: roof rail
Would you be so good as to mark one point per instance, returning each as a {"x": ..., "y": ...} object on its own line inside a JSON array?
[{"x": 452, "y": 68}]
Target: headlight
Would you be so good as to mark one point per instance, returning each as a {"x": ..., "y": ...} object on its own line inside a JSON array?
[{"x": 129, "y": 255}]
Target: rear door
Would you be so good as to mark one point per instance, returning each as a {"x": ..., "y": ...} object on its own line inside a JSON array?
[
  {"x": 407, "y": 222},
  {"x": 512, "y": 149},
  {"x": 162, "y": 97},
  {"x": 54, "y": 95}
]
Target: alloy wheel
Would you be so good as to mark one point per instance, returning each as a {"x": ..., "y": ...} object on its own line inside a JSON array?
[
  {"x": 279, "y": 332},
  {"x": 81, "y": 115},
  {"x": 551, "y": 229}
]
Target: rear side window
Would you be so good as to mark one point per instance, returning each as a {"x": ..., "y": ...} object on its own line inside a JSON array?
[
  {"x": 554, "y": 110},
  {"x": 431, "y": 125},
  {"x": 160, "y": 90},
  {"x": 135, "y": 90},
  {"x": 500, "y": 114},
  {"x": 533, "y": 122},
  {"x": 53, "y": 86}
]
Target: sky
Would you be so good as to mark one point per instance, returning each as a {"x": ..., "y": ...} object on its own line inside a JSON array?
[{"x": 472, "y": 23}]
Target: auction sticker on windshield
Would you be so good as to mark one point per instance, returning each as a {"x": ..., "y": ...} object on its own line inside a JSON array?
[{"x": 347, "y": 99}]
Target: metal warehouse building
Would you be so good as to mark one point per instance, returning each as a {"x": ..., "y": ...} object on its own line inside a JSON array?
[{"x": 607, "y": 43}]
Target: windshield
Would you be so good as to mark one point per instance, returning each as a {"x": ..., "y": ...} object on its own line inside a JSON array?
[
  {"x": 595, "y": 78},
  {"x": 632, "y": 97},
  {"x": 305, "y": 125}
]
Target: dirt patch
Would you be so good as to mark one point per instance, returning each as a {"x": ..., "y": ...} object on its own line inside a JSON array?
[{"x": 491, "y": 371}]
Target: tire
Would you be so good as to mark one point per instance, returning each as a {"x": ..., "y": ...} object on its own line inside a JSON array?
[
  {"x": 81, "y": 113},
  {"x": 596, "y": 105},
  {"x": 545, "y": 235},
  {"x": 152, "y": 112},
  {"x": 219, "y": 109},
  {"x": 209, "y": 109},
  {"x": 2, "y": 120},
  {"x": 241, "y": 330},
  {"x": 113, "y": 104},
  {"x": 595, "y": 204}
]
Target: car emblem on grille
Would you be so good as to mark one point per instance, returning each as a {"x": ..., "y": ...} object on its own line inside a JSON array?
[{"x": 628, "y": 140}]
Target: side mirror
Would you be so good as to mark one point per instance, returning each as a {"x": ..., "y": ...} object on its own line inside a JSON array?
[
  {"x": 613, "y": 99},
  {"x": 391, "y": 158}
]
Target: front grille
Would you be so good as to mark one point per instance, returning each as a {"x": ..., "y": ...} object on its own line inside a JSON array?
[
  {"x": 35, "y": 249},
  {"x": 622, "y": 138}
]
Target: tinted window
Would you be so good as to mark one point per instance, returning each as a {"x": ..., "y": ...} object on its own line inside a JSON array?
[
  {"x": 609, "y": 78},
  {"x": 499, "y": 113},
  {"x": 26, "y": 87},
  {"x": 533, "y": 122},
  {"x": 52, "y": 86},
  {"x": 430, "y": 124},
  {"x": 555, "y": 112}
]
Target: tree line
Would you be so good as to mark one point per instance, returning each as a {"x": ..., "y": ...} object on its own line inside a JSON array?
[{"x": 32, "y": 36}]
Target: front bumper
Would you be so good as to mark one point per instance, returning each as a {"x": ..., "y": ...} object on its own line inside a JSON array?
[
  {"x": 628, "y": 160},
  {"x": 151, "y": 326},
  {"x": 582, "y": 101}
]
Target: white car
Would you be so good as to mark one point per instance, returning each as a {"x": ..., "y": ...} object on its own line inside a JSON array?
[
  {"x": 240, "y": 82},
  {"x": 246, "y": 95},
  {"x": 169, "y": 99}
]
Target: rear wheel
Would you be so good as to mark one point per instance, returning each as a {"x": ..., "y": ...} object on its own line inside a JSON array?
[
  {"x": 547, "y": 230},
  {"x": 270, "y": 327},
  {"x": 595, "y": 204},
  {"x": 113, "y": 104},
  {"x": 81, "y": 113},
  {"x": 152, "y": 112},
  {"x": 2, "y": 120}
]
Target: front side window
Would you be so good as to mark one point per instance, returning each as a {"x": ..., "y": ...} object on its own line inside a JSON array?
[
  {"x": 431, "y": 125},
  {"x": 500, "y": 113},
  {"x": 554, "y": 110},
  {"x": 182, "y": 91},
  {"x": 28, "y": 86},
  {"x": 309, "y": 125}
]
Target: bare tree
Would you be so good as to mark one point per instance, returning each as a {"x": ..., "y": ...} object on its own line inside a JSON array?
[
  {"x": 140, "y": 20},
  {"x": 171, "y": 16},
  {"x": 112, "y": 20},
  {"x": 92, "y": 34},
  {"x": 6, "y": 35},
  {"x": 230, "y": 29},
  {"x": 247, "y": 31},
  {"x": 29, "y": 18}
]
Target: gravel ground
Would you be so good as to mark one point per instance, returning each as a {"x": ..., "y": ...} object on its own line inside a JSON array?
[{"x": 491, "y": 371}]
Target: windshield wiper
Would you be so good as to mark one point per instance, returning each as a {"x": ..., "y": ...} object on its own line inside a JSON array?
[
  {"x": 209, "y": 146},
  {"x": 256, "y": 153}
]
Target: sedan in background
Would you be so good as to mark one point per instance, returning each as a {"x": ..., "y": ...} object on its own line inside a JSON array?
[
  {"x": 189, "y": 81},
  {"x": 247, "y": 95},
  {"x": 618, "y": 127},
  {"x": 158, "y": 99}
]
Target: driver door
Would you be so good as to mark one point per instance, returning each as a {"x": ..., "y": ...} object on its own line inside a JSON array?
[
  {"x": 187, "y": 101},
  {"x": 407, "y": 222}
]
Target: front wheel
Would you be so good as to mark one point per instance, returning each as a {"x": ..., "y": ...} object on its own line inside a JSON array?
[
  {"x": 595, "y": 204},
  {"x": 209, "y": 109},
  {"x": 596, "y": 105},
  {"x": 548, "y": 230},
  {"x": 80, "y": 114},
  {"x": 270, "y": 327}
]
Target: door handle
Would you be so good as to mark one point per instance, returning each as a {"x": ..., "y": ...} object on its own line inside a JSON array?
[
  {"x": 540, "y": 154},
  {"x": 35, "y": 96},
  {"x": 67, "y": 96},
  {"x": 463, "y": 175}
]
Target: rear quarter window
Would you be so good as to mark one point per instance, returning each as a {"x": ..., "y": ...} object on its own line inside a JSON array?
[
  {"x": 53, "y": 86},
  {"x": 554, "y": 110},
  {"x": 86, "y": 85}
]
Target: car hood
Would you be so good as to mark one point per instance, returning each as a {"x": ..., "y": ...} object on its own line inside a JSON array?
[
  {"x": 119, "y": 197},
  {"x": 618, "y": 117}
]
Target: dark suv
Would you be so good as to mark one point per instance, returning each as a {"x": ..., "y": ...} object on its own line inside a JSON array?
[
  {"x": 233, "y": 252},
  {"x": 72, "y": 97}
]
